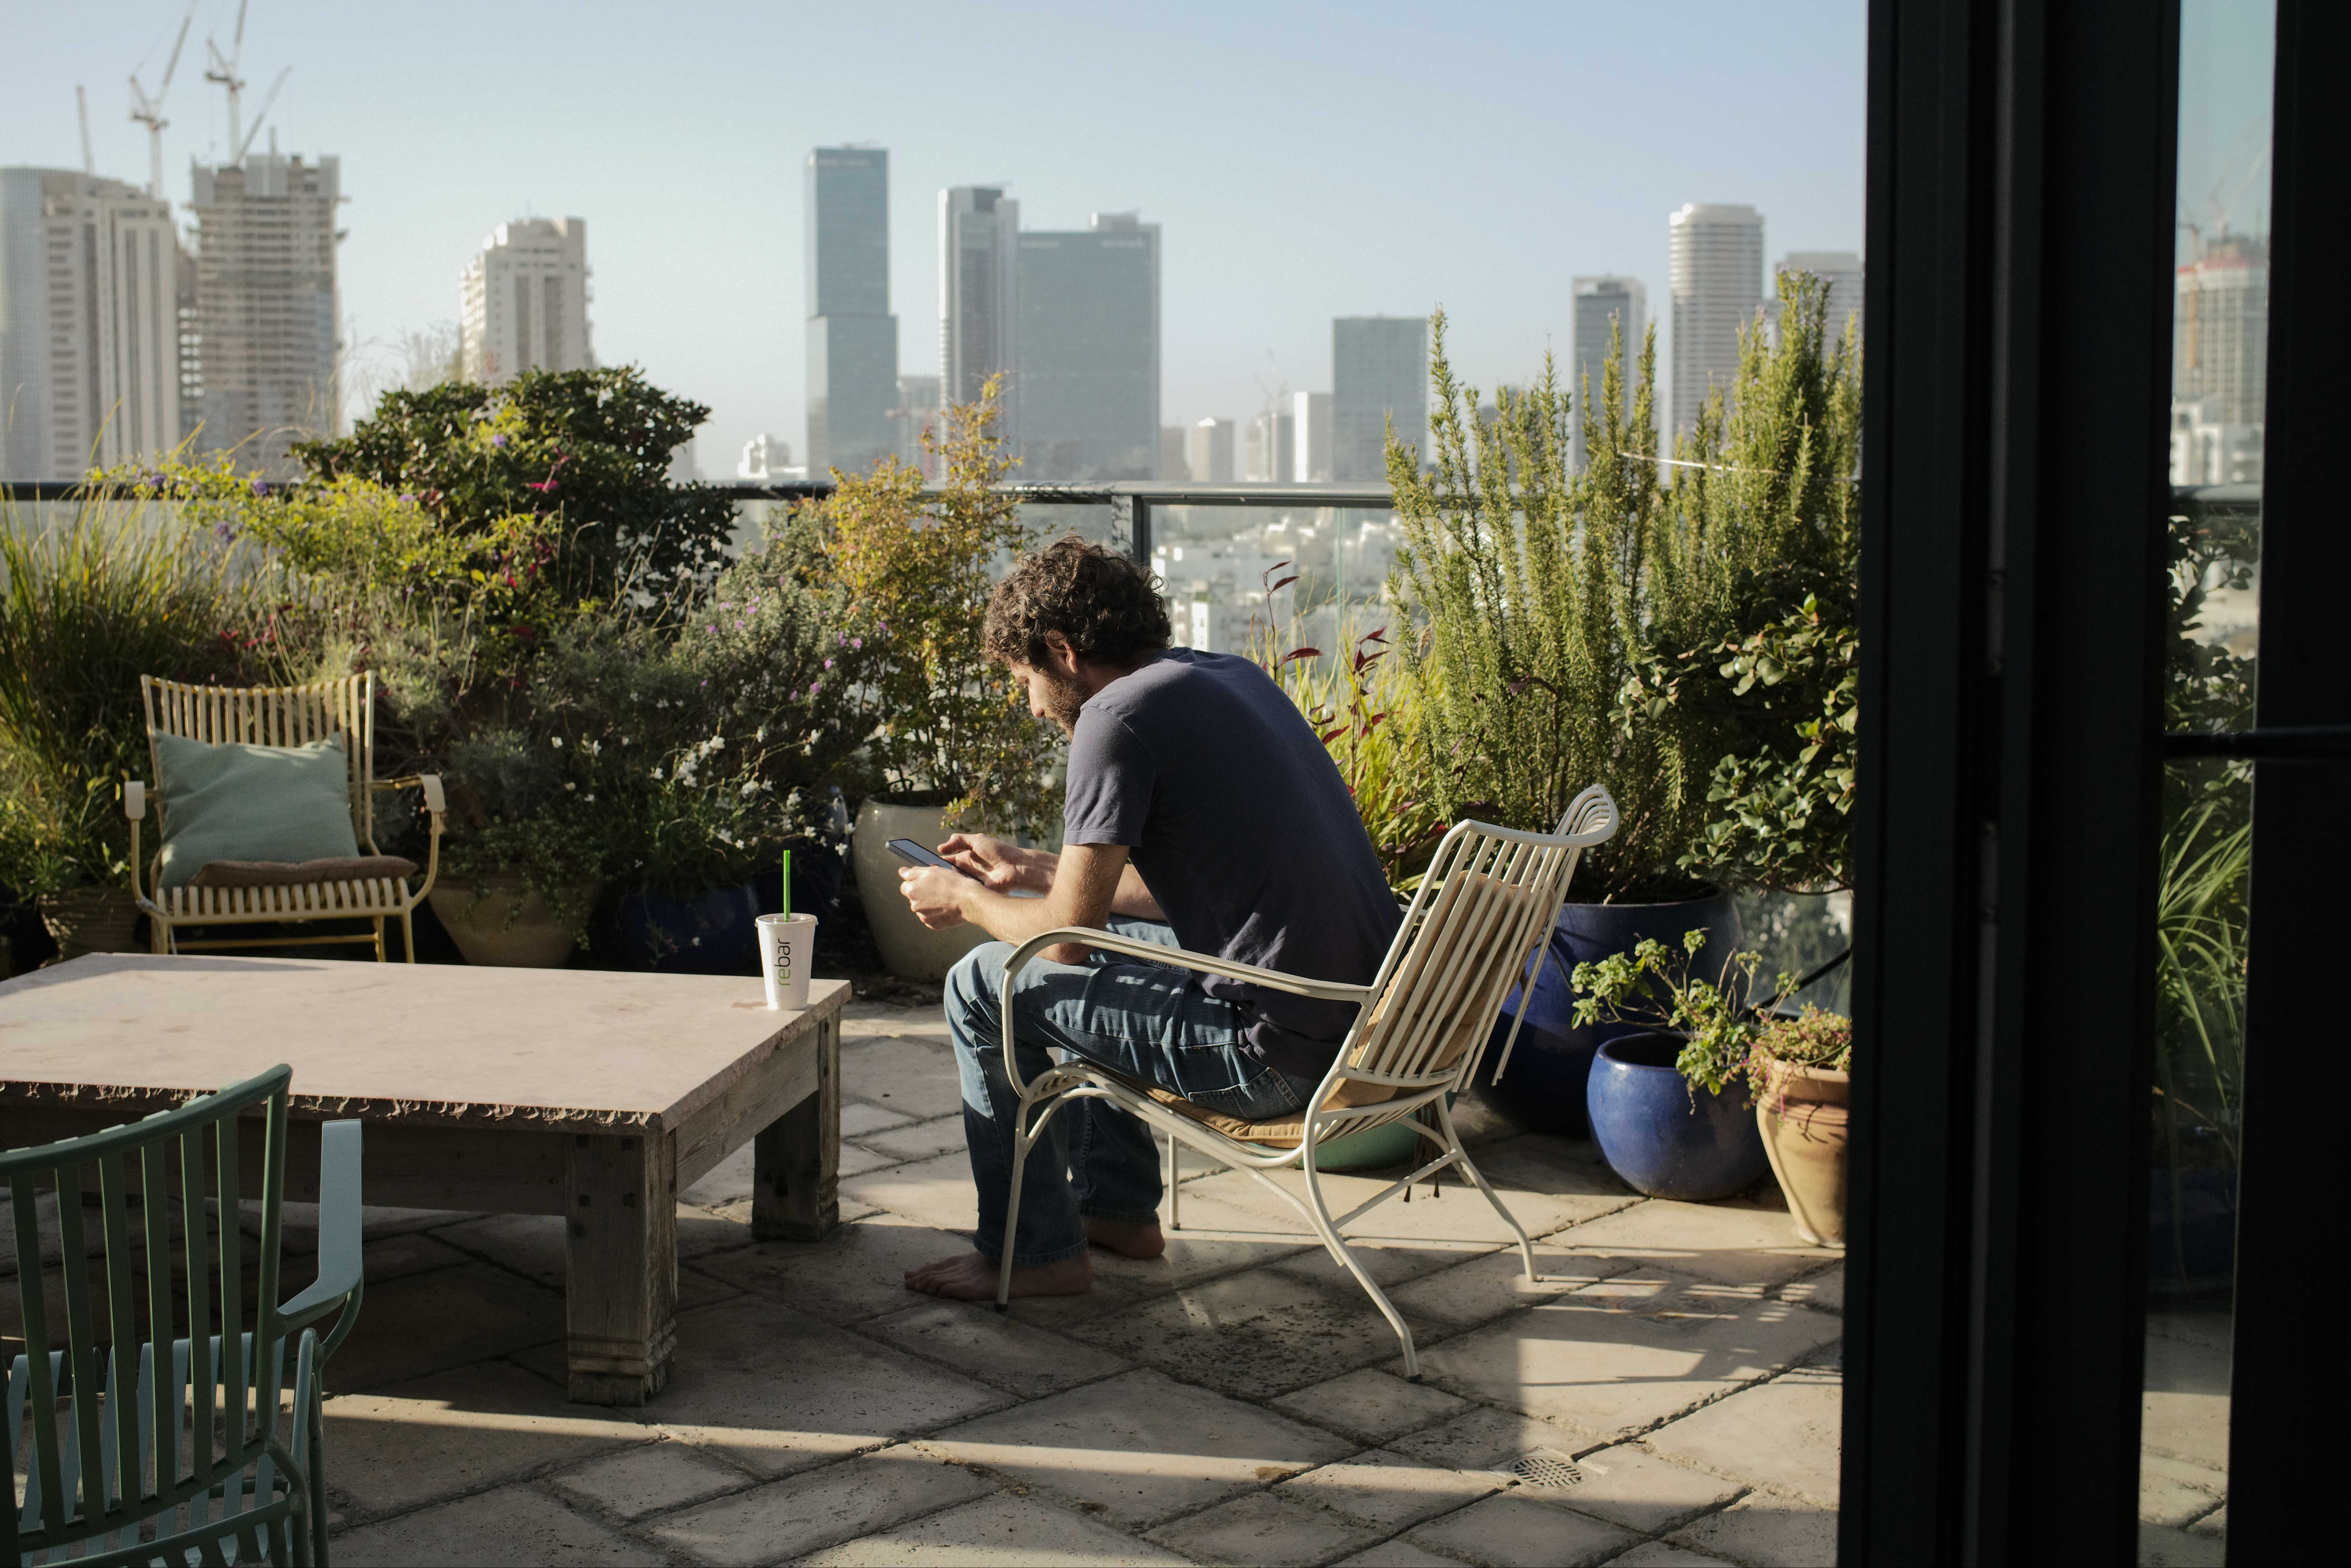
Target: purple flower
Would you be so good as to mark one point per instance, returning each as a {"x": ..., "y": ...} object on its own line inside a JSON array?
[
  {"x": 409, "y": 497},
  {"x": 713, "y": 628},
  {"x": 857, "y": 642},
  {"x": 814, "y": 686},
  {"x": 497, "y": 440},
  {"x": 844, "y": 639},
  {"x": 260, "y": 485},
  {"x": 828, "y": 664},
  {"x": 223, "y": 531}
]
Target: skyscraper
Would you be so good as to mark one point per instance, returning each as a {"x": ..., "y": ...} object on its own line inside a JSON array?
[
  {"x": 90, "y": 369},
  {"x": 1085, "y": 379},
  {"x": 1717, "y": 268},
  {"x": 853, "y": 338},
  {"x": 1379, "y": 377},
  {"x": 1272, "y": 444},
  {"x": 1171, "y": 464},
  {"x": 1208, "y": 452},
  {"x": 266, "y": 310},
  {"x": 2220, "y": 330},
  {"x": 523, "y": 301},
  {"x": 917, "y": 412},
  {"x": 979, "y": 234},
  {"x": 1841, "y": 271},
  {"x": 1310, "y": 422},
  {"x": 1605, "y": 306}
]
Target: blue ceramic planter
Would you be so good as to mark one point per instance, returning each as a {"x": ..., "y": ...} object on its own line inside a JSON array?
[
  {"x": 1663, "y": 1137},
  {"x": 1543, "y": 1090},
  {"x": 2191, "y": 1245},
  {"x": 711, "y": 933}
]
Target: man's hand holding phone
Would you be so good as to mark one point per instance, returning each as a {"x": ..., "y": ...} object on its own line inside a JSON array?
[
  {"x": 938, "y": 883},
  {"x": 1002, "y": 867}
]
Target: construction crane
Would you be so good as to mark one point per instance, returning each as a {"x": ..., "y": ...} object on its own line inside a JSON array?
[
  {"x": 267, "y": 99},
  {"x": 223, "y": 71},
  {"x": 149, "y": 111}
]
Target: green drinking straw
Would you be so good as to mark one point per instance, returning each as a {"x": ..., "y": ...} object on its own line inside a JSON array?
[{"x": 787, "y": 885}]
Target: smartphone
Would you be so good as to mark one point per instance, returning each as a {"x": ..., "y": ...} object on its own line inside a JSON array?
[{"x": 908, "y": 849}]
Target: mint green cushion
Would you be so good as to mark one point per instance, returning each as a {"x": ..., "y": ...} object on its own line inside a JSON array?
[{"x": 238, "y": 802}]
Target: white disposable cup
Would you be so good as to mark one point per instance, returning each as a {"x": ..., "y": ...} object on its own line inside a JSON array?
[{"x": 787, "y": 950}]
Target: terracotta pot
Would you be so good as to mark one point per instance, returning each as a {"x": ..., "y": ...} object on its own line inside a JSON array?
[
  {"x": 1802, "y": 1114},
  {"x": 92, "y": 920},
  {"x": 509, "y": 924},
  {"x": 912, "y": 950}
]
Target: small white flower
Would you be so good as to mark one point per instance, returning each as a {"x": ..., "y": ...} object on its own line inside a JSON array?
[
  {"x": 556, "y": 743},
  {"x": 568, "y": 787},
  {"x": 589, "y": 796},
  {"x": 657, "y": 773}
]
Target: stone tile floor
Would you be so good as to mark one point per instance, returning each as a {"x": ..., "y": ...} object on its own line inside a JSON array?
[{"x": 1235, "y": 1403}]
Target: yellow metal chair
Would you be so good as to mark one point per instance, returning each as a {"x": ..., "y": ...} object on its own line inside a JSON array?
[{"x": 279, "y": 715}]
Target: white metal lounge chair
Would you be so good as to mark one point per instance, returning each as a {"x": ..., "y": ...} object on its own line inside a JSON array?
[
  {"x": 280, "y": 715},
  {"x": 1480, "y": 921}
]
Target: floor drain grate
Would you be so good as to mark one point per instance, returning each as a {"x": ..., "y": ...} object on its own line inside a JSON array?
[{"x": 1548, "y": 1471}]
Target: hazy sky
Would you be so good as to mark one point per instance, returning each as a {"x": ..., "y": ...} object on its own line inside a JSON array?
[{"x": 1304, "y": 161}]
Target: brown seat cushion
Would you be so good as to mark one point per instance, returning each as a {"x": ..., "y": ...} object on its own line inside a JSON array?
[
  {"x": 285, "y": 874},
  {"x": 1282, "y": 1134}
]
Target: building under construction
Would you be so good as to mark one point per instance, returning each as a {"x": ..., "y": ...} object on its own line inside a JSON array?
[{"x": 260, "y": 337}]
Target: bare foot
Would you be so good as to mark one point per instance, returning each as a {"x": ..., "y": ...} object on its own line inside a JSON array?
[
  {"x": 972, "y": 1278},
  {"x": 1127, "y": 1240}
]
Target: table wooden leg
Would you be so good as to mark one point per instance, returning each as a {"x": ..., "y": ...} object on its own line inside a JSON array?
[
  {"x": 796, "y": 1159},
  {"x": 620, "y": 1283}
]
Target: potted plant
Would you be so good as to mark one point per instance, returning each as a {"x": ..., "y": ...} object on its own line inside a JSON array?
[
  {"x": 1800, "y": 1069},
  {"x": 1666, "y": 1098},
  {"x": 88, "y": 606},
  {"x": 743, "y": 725},
  {"x": 954, "y": 745},
  {"x": 510, "y": 601},
  {"x": 1573, "y": 629}
]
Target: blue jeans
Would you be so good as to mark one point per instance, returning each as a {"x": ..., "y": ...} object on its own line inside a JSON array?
[{"x": 1148, "y": 1021}]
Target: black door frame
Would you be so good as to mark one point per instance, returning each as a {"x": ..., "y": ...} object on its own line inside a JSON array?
[{"x": 2020, "y": 234}]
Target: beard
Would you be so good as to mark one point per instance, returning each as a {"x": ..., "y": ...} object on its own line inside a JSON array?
[{"x": 1063, "y": 698}]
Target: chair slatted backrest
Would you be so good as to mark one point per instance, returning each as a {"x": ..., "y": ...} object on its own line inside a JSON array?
[
  {"x": 1484, "y": 910},
  {"x": 159, "y": 1390},
  {"x": 274, "y": 716}
]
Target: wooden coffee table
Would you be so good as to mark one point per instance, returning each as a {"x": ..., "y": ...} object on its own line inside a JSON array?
[{"x": 593, "y": 1095}]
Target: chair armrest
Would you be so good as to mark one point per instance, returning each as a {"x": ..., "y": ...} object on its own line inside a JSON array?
[
  {"x": 134, "y": 798},
  {"x": 339, "y": 1265},
  {"x": 1111, "y": 941},
  {"x": 435, "y": 801}
]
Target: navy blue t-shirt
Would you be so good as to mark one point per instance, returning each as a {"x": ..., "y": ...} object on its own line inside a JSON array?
[{"x": 1245, "y": 833}]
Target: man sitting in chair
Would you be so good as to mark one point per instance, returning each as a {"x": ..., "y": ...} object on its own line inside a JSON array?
[{"x": 1202, "y": 813}]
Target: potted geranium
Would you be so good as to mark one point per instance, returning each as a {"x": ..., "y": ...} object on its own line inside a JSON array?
[{"x": 952, "y": 744}]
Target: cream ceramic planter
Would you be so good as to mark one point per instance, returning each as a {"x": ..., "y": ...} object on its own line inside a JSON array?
[
  {"x": 1803, "y": 1116},
  {"x": 508, "y": 925},
  {"x": 910, "y": 950}
]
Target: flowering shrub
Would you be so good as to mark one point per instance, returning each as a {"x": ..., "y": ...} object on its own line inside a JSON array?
[{"x": 916, "y": 578}]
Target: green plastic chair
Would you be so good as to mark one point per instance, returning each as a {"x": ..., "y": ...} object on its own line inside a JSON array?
[{"x": 164, "y": 1443}]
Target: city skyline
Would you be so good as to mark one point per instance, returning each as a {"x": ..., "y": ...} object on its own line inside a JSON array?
[{"x": 1271, "y": 190}]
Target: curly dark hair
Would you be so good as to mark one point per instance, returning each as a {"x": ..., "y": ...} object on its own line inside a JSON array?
[{"x": 1108, "y": 608}]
